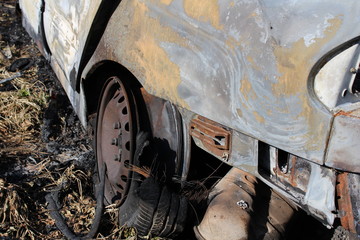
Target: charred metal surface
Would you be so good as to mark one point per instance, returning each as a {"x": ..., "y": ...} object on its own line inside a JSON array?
[
  {"x": 343, "y": 150},
  {"x": 296, "y": 173},
  {"x": 244, "y": 152},
  {"x": 33, "y": 23},
  {"x": 310, "y": 185},
  {"x": 354, "y": 187},
  {"x": 213, "y": 136},
  {"x": 67, "y": 25},
  {"x": 348, "y": 195},
  {"x": 166, "y": 124},
  {"x": 254, "y": 80}
]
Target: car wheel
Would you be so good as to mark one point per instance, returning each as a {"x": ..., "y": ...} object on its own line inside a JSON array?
[{"x": 140, "y": 164}]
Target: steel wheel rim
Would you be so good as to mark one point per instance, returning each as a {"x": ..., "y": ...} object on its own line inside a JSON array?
[{"x": 115, "y": 139}]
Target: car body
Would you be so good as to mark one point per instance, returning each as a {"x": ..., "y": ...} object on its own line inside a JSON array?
[{"x": 269, "y": 87}]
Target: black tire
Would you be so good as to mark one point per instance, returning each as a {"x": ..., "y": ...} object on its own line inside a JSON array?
[{"x": 149, "y": 202}]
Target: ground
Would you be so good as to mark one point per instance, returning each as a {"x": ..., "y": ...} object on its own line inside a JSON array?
[{"x": 42, "y": 145}]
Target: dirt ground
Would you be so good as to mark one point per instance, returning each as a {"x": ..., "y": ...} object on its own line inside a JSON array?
[{"x": 42, "y": 145}]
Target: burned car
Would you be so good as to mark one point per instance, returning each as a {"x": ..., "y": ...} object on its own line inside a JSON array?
[{"x": 269, "y": 88}]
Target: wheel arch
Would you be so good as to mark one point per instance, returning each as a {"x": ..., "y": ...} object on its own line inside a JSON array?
[
  {"x": 96, "y": 78},
  {"x": 92, "y": 85}
]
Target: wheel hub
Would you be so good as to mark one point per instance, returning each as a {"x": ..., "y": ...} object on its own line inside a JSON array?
[{"x": 115, "y": 139}]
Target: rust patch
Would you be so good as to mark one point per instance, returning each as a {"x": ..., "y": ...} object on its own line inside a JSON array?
[
  {"x": 294, "y": 65},
  {"x": 162, "y": 76},
  {"x": 246, "y": 89},
  {"x": 352, "y": 114},
  {"x": 232, "y": 43},
  {"x": 253, "y": 64},
  {"x": 166, "y": 2},
  {"x": 258, "y": 117},
  {"x": 212, "y": 135},
  {"x": 344, "y": 202},
  {"x": 204, "y": 11},
  {"x": 289, "y": 176}
]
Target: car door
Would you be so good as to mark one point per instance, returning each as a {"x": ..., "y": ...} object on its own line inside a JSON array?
[
  {"x": 32, "y": 12},
  {"x": 66, "y": 25}
]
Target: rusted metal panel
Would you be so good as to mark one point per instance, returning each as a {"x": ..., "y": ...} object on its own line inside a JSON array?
[
  {"x": 354, "y": 187},
  {"x": 215, "y": 138},
  {"x": 309, "y": 185},
  {"x": 243, "y": 64},
  {"x": 296, "y": 174},
  {"x": 343, "y": 151},
  {"x": 348, "y": 194}
]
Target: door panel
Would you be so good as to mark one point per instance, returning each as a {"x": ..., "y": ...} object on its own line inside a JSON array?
[{"x": 67, "y": 24}]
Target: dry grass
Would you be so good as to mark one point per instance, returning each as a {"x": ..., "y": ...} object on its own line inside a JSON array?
[
  {"x": 14, "y": 213},
  {"x": 22, "y": 99},
  {"x": 20, "y": 112}
]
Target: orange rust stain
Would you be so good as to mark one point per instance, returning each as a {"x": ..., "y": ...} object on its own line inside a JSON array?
[
  {"x": 253, "y": 64},
  {"x": 258, "y": 117},
  {"x": 166, "y": 2},
  {"x": 352, "y": 114},
  {"x": 344, "y": 202},
  {"x": 204, "y": 11},
  {"x": 232, "y": 43},
  {"x": 294, "y": 64},
  {"x": 162, "y": 76},
  {"x": 246, "y": 89}
]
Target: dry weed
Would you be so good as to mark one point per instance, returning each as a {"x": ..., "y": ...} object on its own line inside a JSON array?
[
  {"x": 20, "y": 111},
  {"x": 14, "y": 213}
]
